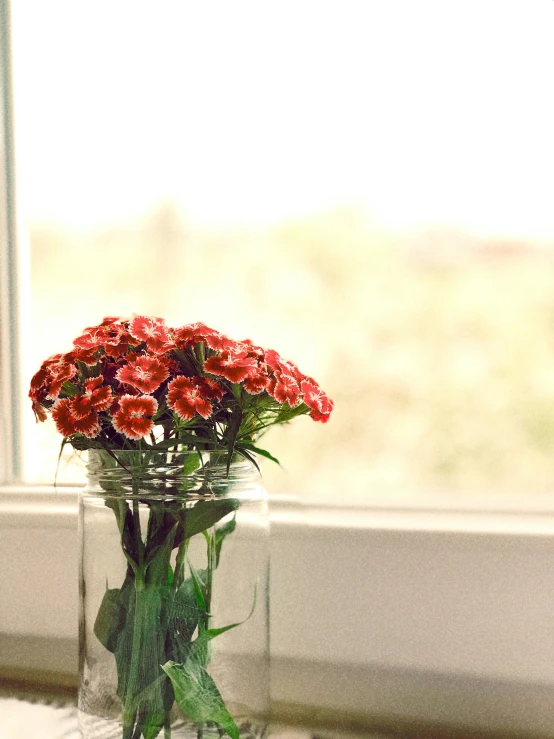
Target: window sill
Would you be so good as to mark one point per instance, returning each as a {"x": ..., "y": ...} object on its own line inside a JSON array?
[{"x": 422, "y": 615}]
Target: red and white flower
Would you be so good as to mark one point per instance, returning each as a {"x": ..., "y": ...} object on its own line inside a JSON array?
[
  {"x": 194, "y": 333},
  {"x": 285, "y": 389},
  {"x": 321, "y": 404},
  {"x": 134, "y": 417},
  {"x": 59, "y": 370},
  {"x": 96, "y": 397},
  {"x": 67, "y": 424},
  {"x": 234, "y": 366},
  {"x": 144, "y": 373},
  {"x": 190, "y": 395},
  {"x": 153, "y": 331},
  {"x": 256, "y": 384}
]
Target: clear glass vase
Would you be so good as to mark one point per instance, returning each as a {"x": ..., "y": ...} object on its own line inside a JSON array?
[{"x": 174, "y": 633}]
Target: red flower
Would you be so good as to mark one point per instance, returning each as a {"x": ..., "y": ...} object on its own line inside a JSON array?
[
  {"x": 97, "y": 397},
  {"x": 283, "y": 366},
  {"x": 38, "y": 383},
  {"x": 67, "y": 424},
  {"x": 59, "y": 370},
  {"x": 256, "y": 384},
  {"x": 144, "y": 373},
  {"x": 317, "y": 400},
  {"x": 187, "y": 396},
  {"x": 134, "y": 417},
  {"x": 211, "y": 389},
  {"x": 235, "y": 366},
  {"x": 285, "y": 389},
  {"x": 38, "y": 410},
  {"x": 193, "y": 333},
  {"x": 151, "y": 330},
  {"x": 117, "y": 339},
  {"x": 91, "y": 338},
  {"x": 86, "y": 356}
]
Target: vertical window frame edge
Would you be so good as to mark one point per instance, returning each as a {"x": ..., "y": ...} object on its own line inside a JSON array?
[{"x": 10, "y": 371}]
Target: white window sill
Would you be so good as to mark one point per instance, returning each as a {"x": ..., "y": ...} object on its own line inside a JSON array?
[{"x": 423, "y": 615}]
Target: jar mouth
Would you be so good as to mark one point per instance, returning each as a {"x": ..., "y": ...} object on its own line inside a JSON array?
[{"x": 163, "y": 474}]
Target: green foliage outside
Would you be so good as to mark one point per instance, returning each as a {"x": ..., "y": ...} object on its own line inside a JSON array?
[{"x": 437, "y": 348}]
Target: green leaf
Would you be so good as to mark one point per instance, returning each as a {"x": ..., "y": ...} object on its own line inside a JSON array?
[
  {"x": 197, "y": 695},
  {"x": 191, "y": 463},
  {"x": 250, "y": 457},
  {"x": 68, "y": 388},
  {"x": 139, "y": 654},
  {"x": 205, "y": 513},
  {"x": 232, "y": 431},
  {"x": 157, "y": 568},
  {"x": 199, "y": 587},
  {"x": 207, "y": 635},
  {"x": 220, "y": 535},
  {"x": 257, "y": 450},
  {"x": 183, "y": 613},
  {"x": 110, "y": 619}
]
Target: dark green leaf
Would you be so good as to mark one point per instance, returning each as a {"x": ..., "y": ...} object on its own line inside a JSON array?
[
  {"x": 199, "y": 588},
  {"x": 157, "y": 568},
  {"x": 139, "y": 654},
  {"x": 232, "y": 433},
  {"x": 257, "y": 450},
  {"x": 220, "y": 535},
  {"x": 205, "y": 513},
  {"x": 182, "y": 619},
  {"x": 198, "y": 697},
  {"x": 110, "y": 619}
]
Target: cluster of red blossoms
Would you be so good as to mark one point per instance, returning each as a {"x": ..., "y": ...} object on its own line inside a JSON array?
[{"x": 128, "y": 376}]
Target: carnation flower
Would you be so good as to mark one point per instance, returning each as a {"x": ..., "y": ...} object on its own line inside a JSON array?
[
  {"x": 234, "y": 366},
  {"x": 152, "y": 331},
  {"x": 95, "y": 398},
  {"x": 188, "y": 396},
  {"x": 124, "y": 381},
  {"x": 68, "y": 424},
  {"x": 134, "y": 417},
  {"x": 145, "y": 373},
  {"x": 285, "y": 389},
  {"x": 317, "y": 400}
]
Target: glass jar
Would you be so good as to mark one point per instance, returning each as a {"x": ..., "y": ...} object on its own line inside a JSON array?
[{"x": 174, "y": 632}]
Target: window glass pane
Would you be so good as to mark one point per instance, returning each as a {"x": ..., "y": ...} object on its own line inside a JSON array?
[{"x": 365, "y": 187}]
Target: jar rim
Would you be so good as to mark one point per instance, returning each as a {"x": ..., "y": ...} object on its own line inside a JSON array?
[{"x": 128, "y": 462}]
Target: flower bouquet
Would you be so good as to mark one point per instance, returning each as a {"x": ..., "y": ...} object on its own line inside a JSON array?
[{"x": 171, "y": 418}]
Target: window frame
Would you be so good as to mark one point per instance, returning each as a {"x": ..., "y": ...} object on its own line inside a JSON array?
[{"x": 10, "y": 376}]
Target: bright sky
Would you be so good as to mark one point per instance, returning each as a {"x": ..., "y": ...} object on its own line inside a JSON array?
[{"x": 423, "y": 111}]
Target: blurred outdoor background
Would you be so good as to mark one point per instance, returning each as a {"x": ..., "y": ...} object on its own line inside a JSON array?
[{"x": 366, "y": 187}]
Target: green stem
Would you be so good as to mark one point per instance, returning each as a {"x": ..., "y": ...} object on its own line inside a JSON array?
[
  {"x": 180, "y": 563},
  {"x": 210, "y": 540},
  {"x": 167, "y": 728},
  {"x": 130, "y": 708}
]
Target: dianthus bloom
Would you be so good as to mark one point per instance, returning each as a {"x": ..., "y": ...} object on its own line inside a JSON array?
[
  {"x": 235, "y": 366},
  {"x": 145, "y": 373},
  {"x": 97, "y": 397},
  {"x": 68, "y": 424},
  {"x": 134, "y": 417},
  {"x": 128, "y": 379},
  {"x": 314, "y": 397},
  {"x": 153, "y": 331},
  {"x": 188, "y": 396}
]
